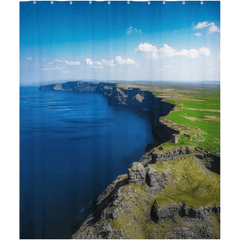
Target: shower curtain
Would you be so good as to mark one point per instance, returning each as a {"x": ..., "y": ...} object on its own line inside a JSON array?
[{"x": 119, "y": 119}]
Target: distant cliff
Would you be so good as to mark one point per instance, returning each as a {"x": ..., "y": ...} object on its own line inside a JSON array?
[
  {"x": 79, "y": 86},
  {"x": 170, "y": 193},
  {"x": 131, "y": 97}
]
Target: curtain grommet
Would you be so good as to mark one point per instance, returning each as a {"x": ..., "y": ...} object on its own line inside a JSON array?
[
  {"x": 202, "y": 2},
  {"x": 164, "y": 2},
  {"x": 128, "y": 2},
  {"x": 148, "y": 2},
  {"x": 34, "y": 2},
  {"x": 90, "y": 2},
  {"x": 70, "y": 2},
  {"x": 51, "y": 2},
  {"x": 183, "y": 2},
  {"x": 109, "y": 2}
]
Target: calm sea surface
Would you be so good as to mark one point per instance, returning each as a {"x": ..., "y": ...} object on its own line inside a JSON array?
[{"x": 72, "y": 146}]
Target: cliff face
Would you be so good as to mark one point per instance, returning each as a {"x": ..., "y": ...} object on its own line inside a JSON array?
[
  {"x": 78, "y": 86},
  {"x": 131, "y": 97},
  {"x": 167, "y": 199},
  {"x": 170, "y": 193}
]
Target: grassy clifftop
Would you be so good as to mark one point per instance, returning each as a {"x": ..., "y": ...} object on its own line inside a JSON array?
[{"x": 196, "y": 115}]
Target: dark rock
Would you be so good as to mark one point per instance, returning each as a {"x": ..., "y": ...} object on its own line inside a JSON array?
[
  {"x": 106, "y": 232},
  {"x": 198, "y": 213},
  {"x": 136, "y": 173},
  {"x": 202, "y": 231},
  {"x": 211, "y": 161},
  {"x": 155, "y": 181},
  {"x": 126, "y": 207},
  {"x": 160, "y": 214},
  {"x": 174, "y": 218},
  {"x": 168, "y": 155},
  {"x": 147, "y": 157},
  {"x": 116, "y": 213}
]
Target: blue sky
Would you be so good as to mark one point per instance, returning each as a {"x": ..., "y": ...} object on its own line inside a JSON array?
[{"x": 119, "y": 41}]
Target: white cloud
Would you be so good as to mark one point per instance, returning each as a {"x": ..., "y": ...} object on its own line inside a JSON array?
[
  {"x": 211, "y": 26},
  {"x": 152, "y": 52},
  {"x": 29, "y": 58},
  {"x": 146, "y": 48},
  {"x": 97, "y": 64},
  {"x": 133, "y": 30},
  {"x": 72, "y": 63},
  {"x": 198, "y": 34},
  {"x": 48, "y": 69},
  {"x": 201, "y": 25},
  {"x": 204, "y": 51},
  {"x": 89, "y": 61},
  {"x": 183, "y": 52},
  {"x": 193, "y": 53},
  {"x": 167, "y": 51},
  {"x": 118, "y": 60},
  {"x": 108, "y": 63}
]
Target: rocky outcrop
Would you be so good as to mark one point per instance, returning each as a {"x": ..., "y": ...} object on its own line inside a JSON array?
[
  {"x": 162, "y": 213},
  {"x": 155, "y": 180},
  {"x": 211, "y": 161},
  {"x": 127, "y": 202},
  {"x": 132, "y": 97},
  {"x": 137, "y": 98},
  {"x": 200, "y": 224},
  {"x": 164, "y": 155},
  {"x": 136, "y": 173},
  {"x": 203, "y": 231}
]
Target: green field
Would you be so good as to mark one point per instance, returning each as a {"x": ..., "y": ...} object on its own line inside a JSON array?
[{"x": 196, "y": 115}]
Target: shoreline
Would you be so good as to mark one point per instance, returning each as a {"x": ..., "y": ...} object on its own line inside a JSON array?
[
  {"x": 103, "y": 215},
  {"x": 135, "y": 98}
]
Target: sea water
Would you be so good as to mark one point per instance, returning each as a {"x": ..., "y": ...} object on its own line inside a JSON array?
[{"x": 72, "y": 146}]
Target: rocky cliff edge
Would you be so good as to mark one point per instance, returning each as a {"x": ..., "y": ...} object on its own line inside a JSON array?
[{"x": 174, "y": 198}]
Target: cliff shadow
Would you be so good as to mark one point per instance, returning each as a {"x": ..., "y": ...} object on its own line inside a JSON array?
[{"x": 100, "y": 205}]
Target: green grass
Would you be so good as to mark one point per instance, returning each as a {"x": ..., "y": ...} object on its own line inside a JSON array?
[
  {"x": 199, "y": 111},
  {"x": 133, "y": 223},
  {"x": 189, "y": 183},
  {"x": 216, "y": 225},
  {"x": 185, "y": 117}
]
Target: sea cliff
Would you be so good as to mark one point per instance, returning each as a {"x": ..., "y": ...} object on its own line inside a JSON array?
[
  {"x": 131, "y": 97},
  {"x": 172, "y": 192}
]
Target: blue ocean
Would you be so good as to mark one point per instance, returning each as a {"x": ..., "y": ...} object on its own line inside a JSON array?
[{"x": 72, "y": 146}]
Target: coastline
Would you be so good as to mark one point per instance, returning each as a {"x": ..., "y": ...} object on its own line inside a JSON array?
[
  {"x": 130, "y": 97},
  {"x": 100, "y": 219}
]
